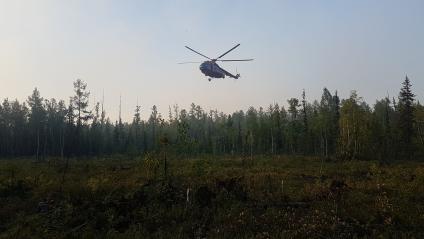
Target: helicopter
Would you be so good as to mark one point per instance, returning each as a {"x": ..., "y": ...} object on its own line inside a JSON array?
[{"x": 211, "y": 69}]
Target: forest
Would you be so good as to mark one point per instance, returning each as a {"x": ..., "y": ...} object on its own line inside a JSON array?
[
  {"x": 343, "y": 129},
  {"x": 330, "y": 168}
]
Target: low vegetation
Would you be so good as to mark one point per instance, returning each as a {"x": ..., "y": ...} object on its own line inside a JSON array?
[{"x": 210, "y": 197}]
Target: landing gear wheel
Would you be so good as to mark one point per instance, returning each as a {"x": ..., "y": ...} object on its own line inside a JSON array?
[{"x": 209, "y": 79}]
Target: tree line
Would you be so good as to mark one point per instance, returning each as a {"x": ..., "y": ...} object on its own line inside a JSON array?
[{"x": 347, "y": 129}]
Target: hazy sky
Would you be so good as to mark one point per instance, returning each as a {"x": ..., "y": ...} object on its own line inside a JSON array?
[{"x": 132, "y": 47}]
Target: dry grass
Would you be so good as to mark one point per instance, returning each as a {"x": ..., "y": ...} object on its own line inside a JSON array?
[{"x": 229, "y": 198}]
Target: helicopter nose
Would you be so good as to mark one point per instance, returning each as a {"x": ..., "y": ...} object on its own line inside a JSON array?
[{"x": 203, "y": 68}]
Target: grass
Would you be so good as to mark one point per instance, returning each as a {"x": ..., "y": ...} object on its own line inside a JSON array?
[{"x": 228, "y": 197}]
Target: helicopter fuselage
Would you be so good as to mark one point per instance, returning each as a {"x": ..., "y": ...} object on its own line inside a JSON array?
[{"x": 211, "y": 69}]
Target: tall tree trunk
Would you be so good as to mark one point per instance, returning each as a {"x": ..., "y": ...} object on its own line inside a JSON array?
[
  {"x": 44, "y": 144},
  {"x": 420, "y": 133},
  {"x": 326, "y": 143},
  {"x": 38, "y": 143},
  {"x": 272, "y": 142},
  {"x": 251, "y": 151},
  {"x": 165, "y": 166},
  {"x": 62, "y": 143}
]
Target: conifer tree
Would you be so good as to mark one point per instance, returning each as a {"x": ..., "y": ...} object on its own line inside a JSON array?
[
  {"x": 37, "y": 119},
  {"x": 406, "y": 117},
  {"x": 80, "y": 105},
  {"x": 80, "y": 102}
]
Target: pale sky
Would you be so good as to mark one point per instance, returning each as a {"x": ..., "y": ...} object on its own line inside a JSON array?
[{"x": 132, "y": 47}]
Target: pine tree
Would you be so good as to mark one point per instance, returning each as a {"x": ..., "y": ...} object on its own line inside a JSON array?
[
  {"x": 80, "y": 102},
  {"x": 293, "y": 104},
  {"x": 406, "y": 117},
  {"x": 183, "y": 137},
  {"x": 304, "y": 115},
  {"x": 306, "y": 139},
  {"x": 18, "y": 121},
  {"x": 136, "y": 127},
  {"x": 37, "y": 119},
  {"x": 80, "y": 106}
]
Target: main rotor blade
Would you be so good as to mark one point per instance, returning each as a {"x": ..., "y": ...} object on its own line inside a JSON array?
[
  {"x": 189, "y": 62},
  {"x": 237, "y": 60},
  {"x": 197, "y": 52},
  {"x": 228, "y": 51}
]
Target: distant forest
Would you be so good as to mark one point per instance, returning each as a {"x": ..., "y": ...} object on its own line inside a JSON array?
[{"x": 345, "y": 129}]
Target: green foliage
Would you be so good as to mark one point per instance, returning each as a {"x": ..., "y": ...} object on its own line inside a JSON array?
[
  {"x": 330, "y": 128},
  {"x": 355, "y": 126}
]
